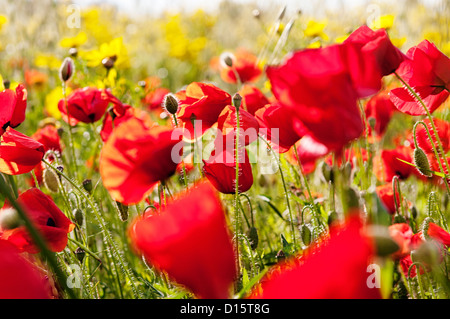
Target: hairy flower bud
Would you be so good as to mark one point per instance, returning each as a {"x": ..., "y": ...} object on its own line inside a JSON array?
[
  {"x": 51, "y": 180},
  {"x": 67, "y": 69},
  {"x": 421, "y": 162},
  {"x": 9, "y": 219},
  {"x": 170, "y": 103}
]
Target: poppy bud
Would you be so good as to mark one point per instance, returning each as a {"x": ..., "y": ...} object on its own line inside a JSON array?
[
  {"x": 170, "y": 103},
  {"x": 280, "y": 255},
  {"x": 87, "y": 185},
  {"x": 372, "y": 122},
  {"x": 427, "y": 253},
  {"x": 66, "y": 70},
  {"x": 414, "y": 212},
  {"x": 123, "y": 211},
  {"x": 78, "y": 216},
  {"x": 305, "y": 233},
  {"x": 399, "y": 219},
  {"x": 327, "y": 172},
  {"x": 9, "y": 219},
  {"x": 73, "y": 52},
  {"x": 108, "y": 63},
  {"x": 256, "y": 13},
  {"x": 6, "y": 84},
  {"x": 227, "y": 59},
  {"x": 421, "y": 162},
  {"x": 253, "y": 237},
  {"x": 332, "y": 217},
  {"x": 80, "y": 253},
  {"x": 51, "y": 180},
  {"x": 351, "y": 199},
  {"x": 237, "y": 100},
  {"x": 425, "y": 226}
]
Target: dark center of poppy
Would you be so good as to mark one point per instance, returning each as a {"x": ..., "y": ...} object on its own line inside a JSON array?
[{"x": 51, "y": 222}]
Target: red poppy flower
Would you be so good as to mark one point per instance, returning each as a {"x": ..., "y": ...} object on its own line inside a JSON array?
[
  {"x": 47, "y": 217},
  {"x": 244, "y": 64},
  {"x": 377, "y": 44},
  {"x": 203, "y": 101},
  {"x": 153, "y": 100},
  {"x": 184, "y": 241},
  {"x": 335, "y": 268},
  {"x": 248, "y": 125},
  {"x": 427, "y": 71},
  {"x": 386, "y": 194},
  {"x": 135, "y": 158},
  {"x": 87, "y": 105},
  {"x": 278, "y": 122},
  {"x": 129, "y": 112},
  {"x": 309, "y": 151},
  {"x": 252, "y": 98},
  {"x": 19, "y": 154},
  {"x": 320, "y": 95},
  {"x": 14, "y": 104},
  {"x": 381, "y": 109},
  {"x": 389, "y": 164},
  {"x": 19, "y": 278},
  {"x": 220, "y": 168},
  {"x": 443, "y": 129}
]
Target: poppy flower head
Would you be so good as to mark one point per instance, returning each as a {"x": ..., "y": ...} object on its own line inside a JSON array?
[
  {"x": 48, "y": 219},
  {"x": 136, "y": 157},
  {"x": 427, "y": 71},
  {"x": 13, "y": 106},
  {"x": 153, "y": 100},
  {"x": 202, "y": 103},
  {"x": 19, "y": 154},
  {"x": 248, "y": 125},
  {"x": 386, "y": 194},
  {"x": 381, "y": 109},
  {"x": 88, "y": 105},
  {"x": 252, "y": 98},
  {"x": 183, "y": 241},
  {"x": 244, "y": 64}
]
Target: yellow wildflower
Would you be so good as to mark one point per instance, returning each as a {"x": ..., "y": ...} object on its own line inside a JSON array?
[
  {"x": 383, "y": 22},
  {"x": 114, "y": 50},
  {"x": 74, "y": 42},
  {"x": 52, "y": 99},
  {"x": 47, "y": 61},
  {"x": 315, "y": 29},
  {"x": 3, "y": 20}
]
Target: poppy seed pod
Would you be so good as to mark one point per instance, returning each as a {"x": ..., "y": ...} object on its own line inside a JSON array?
[
  {"x": 51, "y": 180},
  {"x": 421, "y": 162},
  {"x": 171, "y": 103},
  {"x": 237, "y": 100},
  {"x": 9, "y": 219},
  {"x": 67, "y": 69}
]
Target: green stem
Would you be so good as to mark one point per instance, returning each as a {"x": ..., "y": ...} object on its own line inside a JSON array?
[
  {"x": 237, "y": 216},
  {"x": 73, "y": 159}
]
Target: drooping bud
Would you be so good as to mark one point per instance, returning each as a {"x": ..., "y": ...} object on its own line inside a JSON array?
[
  {"x": 332, "y": 218},
  {"x": 78, "y": 216},
  {"x": 51, "y": 180},
  {"x": 6, "y": 84},
  {"x": 421, "y": 162},
  {"x": 372, "y": 122},
  {"x": 87, "y": 185},
  {"x": 327, "y": 172},
  {"x": 108, "y": 63},
  {"x": 227, "y": 59},
  {"x": 123, "y": 211},
  {"x": 80, "y": 253},
  {"x": 73, "y": 52},
  {"x": 9, "y": 219},
  {"x": 425, "y": 226},
  {"x": 170, "y": 103},
  {"x": 67, "y": 69},
  {"x": 256, "y": 13},
  {"x": 253, "y": 238},
  {"x": 305, "y": 233}
]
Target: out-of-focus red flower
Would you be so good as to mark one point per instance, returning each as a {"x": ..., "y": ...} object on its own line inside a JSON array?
[
  {"x": 427, "y": 71},
  {"x": 244, "y": 64},
  {"x": 402, "y": 234},
  {"x": 220, "y": 167},
  {"x": 381, "y": 109},
  {"x": 309, "y": 151},
  {"x": 153, "y": 100},
  {"x": 48, "y": 219},
  {"x": 112, "y": 121},
  {"x": 88, "y": 105},
  {"x": 35, "y": 77},
  {"x": 377, "y": 44},
  {"x": 443, "y": 129},
  {"x": 252, "y": 98},
  {"x": 135, "y": 158},
  {"x": 386, "y": 194},
  {"x": 248, "y": 125},
  {"x": 334, "y": 268},
  {"x": 278, "y": 122},
  {"x": 189, "y": 240},
  {"x": 19, "y": 154},
  {"x": 13, "y": 107},
  {"x": 19, "y": 278},
  {"x": 323, "y": 98},
  {"x": 389, "y": 165},
  {"x": 201, "y": 101},
  {"x": 349, "y": 156}
]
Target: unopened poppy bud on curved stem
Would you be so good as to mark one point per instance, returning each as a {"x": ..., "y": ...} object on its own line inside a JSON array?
[
  {"x": 67, "y": 69},
  {"x": 237, "y": 101},
  {"x": 420, "y": 158},
  {"x": 170, "y": 104}
]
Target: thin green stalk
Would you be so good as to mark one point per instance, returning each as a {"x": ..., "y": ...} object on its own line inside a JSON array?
[
  {"x": 237, "y": 217},
  {"x": 73, "y": 159},
  {"x": 183, "y": 165}
]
